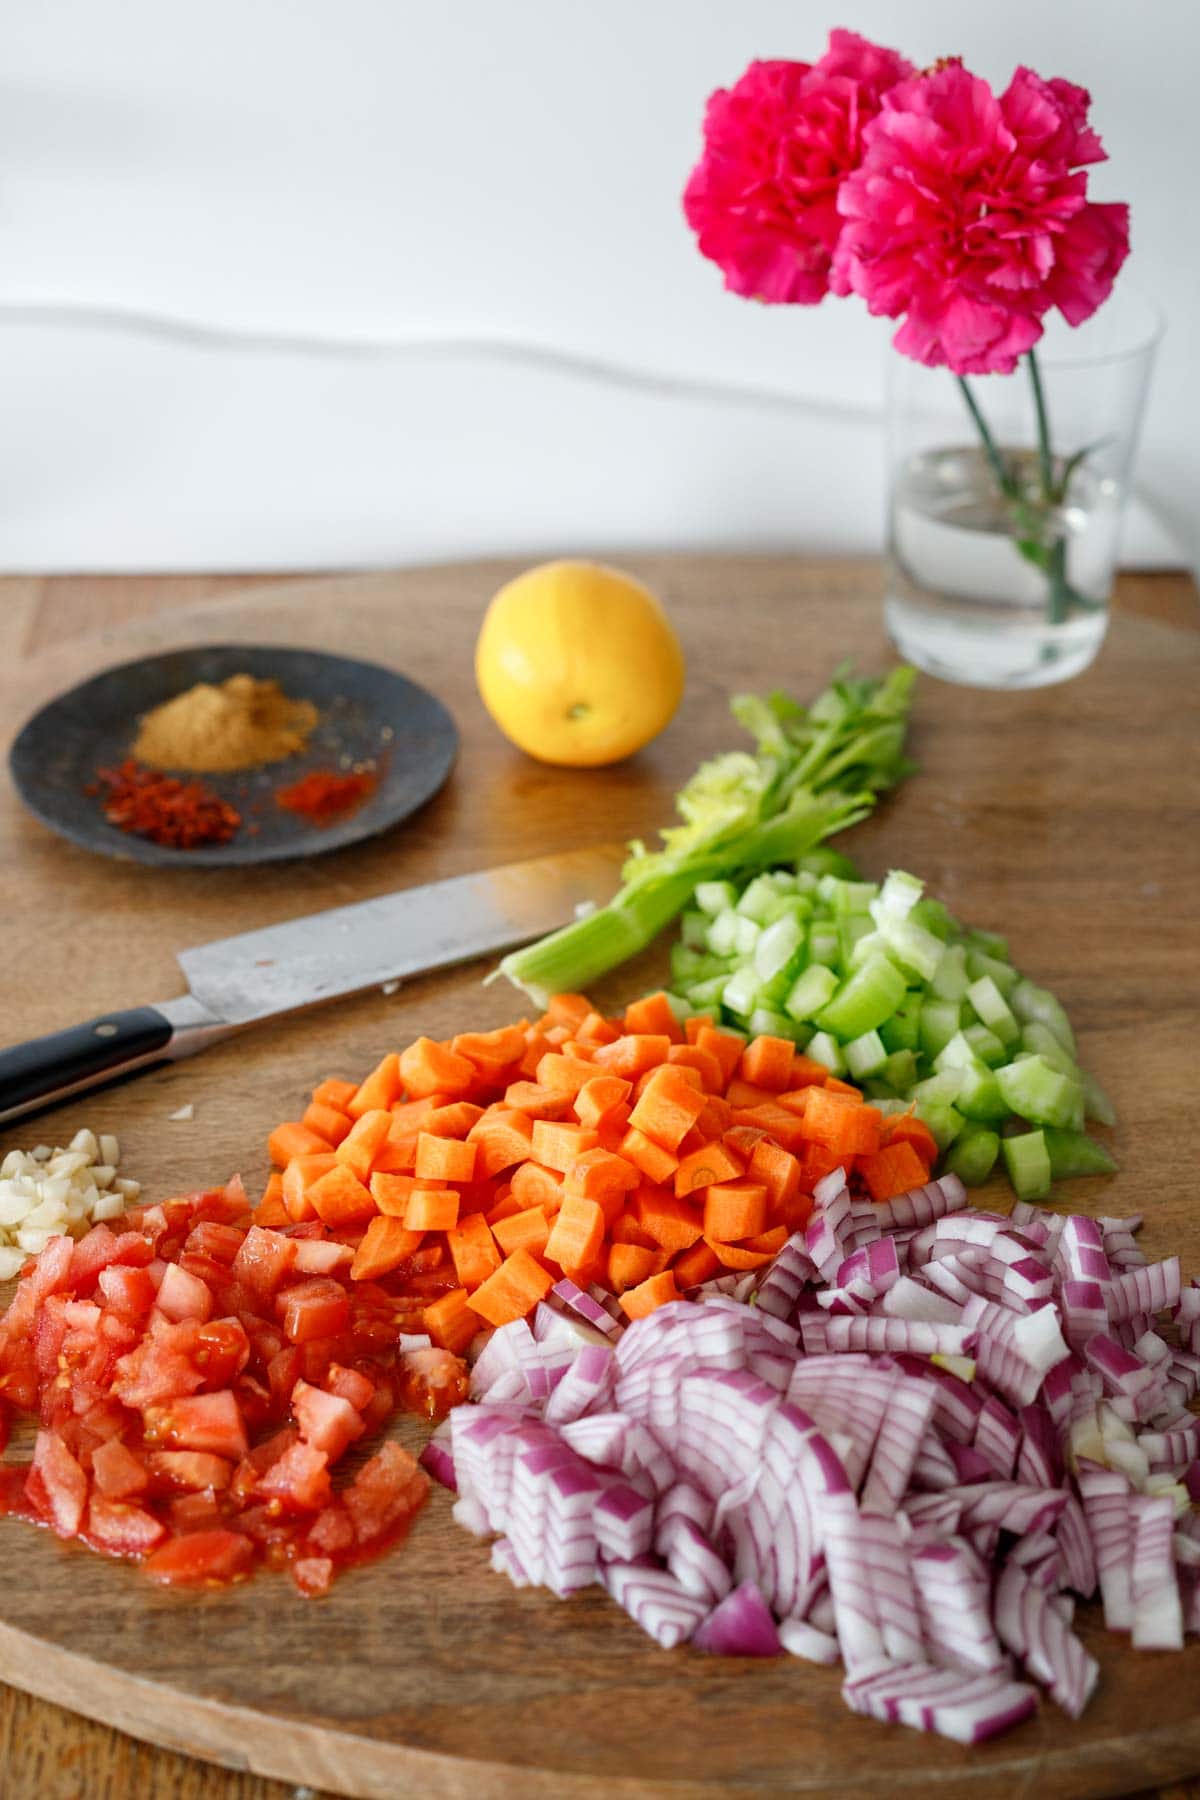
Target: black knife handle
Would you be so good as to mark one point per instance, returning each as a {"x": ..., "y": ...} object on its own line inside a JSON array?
[{"x": 109, "y": 1048}]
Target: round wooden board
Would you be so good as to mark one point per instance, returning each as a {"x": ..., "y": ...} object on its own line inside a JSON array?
[{"x": 1066, "y": 818}]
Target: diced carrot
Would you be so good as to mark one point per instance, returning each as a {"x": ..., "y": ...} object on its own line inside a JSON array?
[
  {"x": 598, "y": 1173},
  {"x": 743, "y": 1094},
  {"x": 450, "y": 1321},
  {"x": 596, "y": 1029},
  {"x": 707, "y": 1166},
  {"x": 807, "y": 1072},
  {"x": 474, "y": 1251},
  {"x": 431, "y": 1209},
  {"x": 503, "y": 1204},
  {"x": 454, "y": 1120},
  {"x": 491, "y": 1051},
  {"x": 726, "y": 1046},
  {"x": 694, "y": 1025},
  {"x": 695, "y": 1265},
  {"x": 777, "y": 1169},
  {"x": 768, "y": 1242},
  {"x": 767, "y": 1061},
  {"x": 599, "y": 1098},
  {"x": 734, "y": 1256},
  {"x": 733, "y": 1210},
  {"x": 577, "y": 1233},
  {"x": 558, "y": 1146},
  {"x": 690, "y": 1056},
  {"x": 669, "y": 1107},
  {"x": 413, "y": 1115},
  {"x": 503, "y": 1137},
  {"x": 294, "y": 1139},
  {"x": 671, "y": 1222},
  {"x": 655, "y": 1163},
  {"x": 381, "y": 1087},
  {"x": 339, "y": 1198},
  {"x": 795, "y": 1100},
  {"x": 271, "y": 1210},
  {"x": 793, "y": 1212},
  {"x": 534, "y": 1185},
  {"x": 654, "y": 1016},
  {"x": 444, "y": 1159},
  {"x": 741, "y": 1139},
  {"x": 298, "y": 1177},
  {"x": 566, "y": 1074},
  {"x": 892, "y": 1171},
  {"x": 335, "y": 1093},
  {"x": 628, "y": 1264},
  {"x": 569, "y": 1010},
  {"x": 684, "y": 1072},
  {"x": 327, "y": 1122},
  {"x": 613, "y": 1128},
  {"x": 391, "y": 1193},
  {"x": 840, "y": 1124},
  {"x": 631, "y": 1056},
  {"x": 536, "y": 1102},
  {"x": 637, "y": 1302},
  {"x": 359, "y": 1150},
  {"x": 716, "y": 1118},
  {"x": 851, "y": 1093},
  {"x": 397, "y": 1155},
  {"x": 626, "y": 1230},
  {"x": 537, "y": 1042},
  {"x": 527, "y": 1230},
  {"x": 817, "y": 1161},
  {"x": 513, "y": 1291},
  {"x": 781, "y": 1124},
  {"x": 428, "y": 1067},
  {"x": 906, "y": 1128},
  {"x": 386, "y": 1244}
]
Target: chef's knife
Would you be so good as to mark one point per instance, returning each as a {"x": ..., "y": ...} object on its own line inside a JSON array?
[{"x": 236, "y": 981}]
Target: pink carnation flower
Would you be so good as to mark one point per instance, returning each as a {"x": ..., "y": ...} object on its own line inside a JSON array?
[
  {"x": 762, "y": 200},
  {"x": 969, "y": 215}
]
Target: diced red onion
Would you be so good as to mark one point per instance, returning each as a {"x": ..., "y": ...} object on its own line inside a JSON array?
[
  {"x": 1157, "y": 1613},
  {"x": 740, "y": 1625},
  {"x": 655, "y": 1601},
  {"x": 1035, "y": 1632}
]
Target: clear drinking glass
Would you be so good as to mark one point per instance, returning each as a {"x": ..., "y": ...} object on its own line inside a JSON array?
[{"x": 1000, "y": 559}]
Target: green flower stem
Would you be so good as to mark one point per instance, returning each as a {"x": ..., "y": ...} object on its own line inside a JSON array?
[
  {"x": 1059, "y": 600},
  {"x": 1007, "y": 485}
]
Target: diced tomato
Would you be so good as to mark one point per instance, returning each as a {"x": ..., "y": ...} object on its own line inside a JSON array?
[
  {"x": 326, "y": 1422},
  {"x": 312, "y": 1574},
  {"x": 386, "y": 1492},
  {"x": 14, "y": 1496},
  {"x": 201, "y": 1557},
  {"x": 199, "y": 1422},
  {"x": 103, "y": 1249},
  {"x": 120, "y": 1529},
  {"x": 192, "y": 1470},
  {"x": 283, "y": 1372},
  {"x": 82, "y": 1315},
  {"x": 192, "y": 1512},
  {"x": 433, "y": 1381},
  {"x": 184, "y": 1296},
  {"x": 52, "y": 1270},
  {"x": 317, "y": 1257},
  {"x": 210, "y": 1270},
  {"x": 56, "y": 1484},
  {"x": 116, "y": 1471},
  {"x": 332, "y": 1531},
  {"x": 105, "y": 1419},
  {"x": 212, "y": 1239},
  {"x": 313, "y": 1309},
  {"x": 49, "y": 1332},
  {"x": 299, "y": 1480},
  {"x": 159, "y": 1368},
  {"x": 349, "y": 1384},
  {"x": 222, "y": 1351},
  {"x": 127, "y": 1290},
  {"x": 263, "y": 1261}
]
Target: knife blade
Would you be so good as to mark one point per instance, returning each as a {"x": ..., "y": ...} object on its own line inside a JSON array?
[{"x": 234, "y": 982}]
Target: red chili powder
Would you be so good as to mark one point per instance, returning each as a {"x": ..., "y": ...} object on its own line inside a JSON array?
[
  {"x": 324, "y": 795},
  {"x": 180, "y": 814}
]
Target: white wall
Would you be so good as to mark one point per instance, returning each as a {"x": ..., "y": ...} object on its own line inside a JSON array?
[{"x": 328, "y": 282}]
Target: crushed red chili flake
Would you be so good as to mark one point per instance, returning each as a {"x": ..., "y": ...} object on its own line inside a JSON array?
[
  {"x": 180, "y": 814},
  {"x": 323, "y": 795}
]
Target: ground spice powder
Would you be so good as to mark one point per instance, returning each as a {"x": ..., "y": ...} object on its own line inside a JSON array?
[{"x": 236, "y": 724}]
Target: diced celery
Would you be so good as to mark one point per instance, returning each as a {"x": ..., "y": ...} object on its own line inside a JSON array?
[
  {"x": 1039, "y": 1041},
  {"x": 912, "y": 946},
  {"x": 903, "y": 1030},
  {"x": 722, "y": 933},
  {"x": 950, "y": 980},
  {"x": 955, "y": 1053},
  {"x": 986, "y": 1045},
  {"x": 740, "y": 993},
  {"x": 810, "y": 992},
  {"x": 842, "y": 897},
  {"x": 824, "y": 861},
  {"x": 942, "y": 1087},
  {"x": 693, "y": 928},
  {"x": 823, "y": 945},
  {"x": 979, "y": 964},
  {"x": 776, "y": 947},
  {"x": 972, "y": 1155},
  {"x": 788, "y": 906},
  {"x": 935, "y": 917},
  {"x": 888, "y": 1104},
  {"x": 850, "y": 928},
  {"x": 1096, "y": 1103},
  {"x": 900, "y": 893},
  {"x": 989, "y": 942},
  {"x": 679, "y": 1005},
  {"x": 703, "y": 995},
  {"x": 944, "y": 1120},
  {"x": 686, "y": 963},
  {"x": 979, "y": 1095},
  {"x": 715, "y": 897},
  {"x": 806, "y": 882},
  {"x": 1041, "y": 1094},
  {"x": 1074, "y": 1153},
  {"x": 992, "y": 1008},
  {"x": 864, "y": 1055},
  {"x": 940, "y": 1019},
  {"x": 746, "y": 935},
  {"x": 1028, "y": 1163},
  {"x": 900, "y": 1070},
  {"x": 757, "y": 898},
  {"x": 1033, "y": 1004},
  {"x": 864, "y": 1001},
  {"x": 764, "y": 1022},
  {"x": 774, "y": 993},
  {"x": 825, "y": 1049}
]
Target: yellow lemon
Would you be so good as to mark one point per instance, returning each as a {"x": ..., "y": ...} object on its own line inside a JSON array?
[{"x": 578, "y": 664}]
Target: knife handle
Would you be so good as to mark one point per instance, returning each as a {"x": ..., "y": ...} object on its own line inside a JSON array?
[{"x": 104, "y": 1050}]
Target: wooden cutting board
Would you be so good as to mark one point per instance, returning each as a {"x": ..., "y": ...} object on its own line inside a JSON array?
[{"x": 1066, "y": 818}]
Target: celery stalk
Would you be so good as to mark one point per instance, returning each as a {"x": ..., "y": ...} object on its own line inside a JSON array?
[{"x": 816, "y": 771}]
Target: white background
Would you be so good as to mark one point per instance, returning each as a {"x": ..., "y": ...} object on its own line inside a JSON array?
[{"x": 334, "y": 282}]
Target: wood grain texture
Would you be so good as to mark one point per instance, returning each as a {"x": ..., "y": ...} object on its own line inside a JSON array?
[{"x": 1066, "y": 818}]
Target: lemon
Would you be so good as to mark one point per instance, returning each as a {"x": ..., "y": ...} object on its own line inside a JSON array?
[{"x": 578, "y": 664}]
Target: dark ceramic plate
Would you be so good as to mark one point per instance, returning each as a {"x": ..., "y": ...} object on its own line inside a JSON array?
[{"x": 368, "y": 716}]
